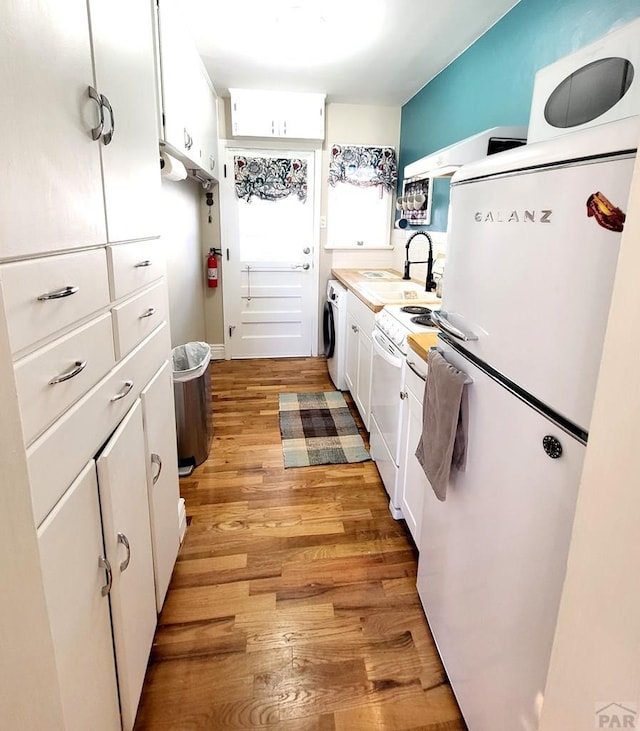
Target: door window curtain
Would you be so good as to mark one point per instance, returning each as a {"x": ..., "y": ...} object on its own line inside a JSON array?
[
  {"x": 270, "y": 178},
  {"x": 363, "y": 166}
]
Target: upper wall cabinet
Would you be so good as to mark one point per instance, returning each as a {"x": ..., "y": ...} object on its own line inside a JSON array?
[
  {"x": 189, "y": 117},
  {"x": 257, "y": 113},
  {"x": 68, "y": 129}
]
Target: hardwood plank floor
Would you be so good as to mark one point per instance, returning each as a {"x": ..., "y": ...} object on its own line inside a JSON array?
[{"x": 292, "y": 606}]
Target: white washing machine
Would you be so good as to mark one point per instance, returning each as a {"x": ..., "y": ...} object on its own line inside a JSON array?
[{"x": 334, "y": 329}]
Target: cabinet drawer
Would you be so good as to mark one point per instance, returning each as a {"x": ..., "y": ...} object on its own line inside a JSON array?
[
  {"x": 133, "y": 266},
  {"x": 134, "y": 319},
  {"x": 80, "y": 432},
  {"x": 41, "y": 298},
  {"x": 361, "y": 314},
  {"x": 45, "y": 381}
]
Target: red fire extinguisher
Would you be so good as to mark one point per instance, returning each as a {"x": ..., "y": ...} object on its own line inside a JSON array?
[{"x": 212, "y": 269}]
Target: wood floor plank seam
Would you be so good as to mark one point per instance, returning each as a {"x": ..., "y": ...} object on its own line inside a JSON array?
[{"x": 293, "y": 604}]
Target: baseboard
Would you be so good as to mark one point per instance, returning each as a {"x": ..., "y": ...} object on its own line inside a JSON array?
[
  {"x": 182, "y": 518},
  {"x": 217, "y": 351}
]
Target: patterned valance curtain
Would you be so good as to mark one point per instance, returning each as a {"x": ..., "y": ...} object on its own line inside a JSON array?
[
  {"x": 270, "y": 178},
  {"x": 363, "y": 166}
]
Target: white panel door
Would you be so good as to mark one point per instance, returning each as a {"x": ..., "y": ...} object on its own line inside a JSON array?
[
  {"x": 162, "y": 476},
  {"x": 122, "y": 480},
  {"x": 270, "y": 285},
  {"x": 50, "y": 163},
  {"x": 70, "y": 542},
  {"x": 122, "y": 33}
]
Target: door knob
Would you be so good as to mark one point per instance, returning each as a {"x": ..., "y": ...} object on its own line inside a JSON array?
[
  {"x": 306, "y": 250},
  {"x": 306, "y": 266}
]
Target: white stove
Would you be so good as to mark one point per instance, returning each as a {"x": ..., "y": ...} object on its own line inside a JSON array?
[
  {"x": 389, "y": 344},
  {"x": 396, "y": 323}
]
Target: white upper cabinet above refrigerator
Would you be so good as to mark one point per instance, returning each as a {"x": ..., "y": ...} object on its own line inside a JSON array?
[{"x": 58, "y": 142}]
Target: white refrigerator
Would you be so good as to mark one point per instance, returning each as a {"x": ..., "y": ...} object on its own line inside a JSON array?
[{"x": 533, "y": 246}]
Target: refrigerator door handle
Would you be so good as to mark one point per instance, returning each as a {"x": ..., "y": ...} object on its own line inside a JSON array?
[{"x": 440, "y": 318}]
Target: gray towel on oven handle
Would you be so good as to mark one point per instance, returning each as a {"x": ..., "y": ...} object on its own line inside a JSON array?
[{"x": 443, "y": 442}]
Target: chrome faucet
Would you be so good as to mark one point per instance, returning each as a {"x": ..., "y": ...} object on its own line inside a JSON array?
[{"x": 429, "y": 284}]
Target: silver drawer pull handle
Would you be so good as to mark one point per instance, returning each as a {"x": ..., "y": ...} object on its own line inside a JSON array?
[
  {"x": 125, "y": 542},
  {"x": 128, "y": 385},
  {"x": 58, "y": 294},
  {"x": 148, "y": 313},
  {"x": 145, "y": 263},
  {"x": 96, "y": 132},
  {"x": 155, "y": 459},
  {"x": 78, "y": 367},
  {"x": 103, "y": 563}
]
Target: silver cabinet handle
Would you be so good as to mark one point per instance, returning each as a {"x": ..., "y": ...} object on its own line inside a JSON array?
[
  {"x": 125, "y": 542},
  {"x": 96, "y": 132},
  {"x": 403, "y": 395},
  {"x": 306, "y": 250},
  {"x": 148, "y": 313},
  {"x": 145, "y": 263},
  {"x": 128, "y": 385},
  {"x": 104, "y": 101},
  {"x": 78, "y": 367},
  {"x": 103, "y": 563},
  {"x": 58, "y": 294},
  {"x": 155, "y": 459},
  {"x": 355, "y": 328},
  {"x": 440, "y": 318}
]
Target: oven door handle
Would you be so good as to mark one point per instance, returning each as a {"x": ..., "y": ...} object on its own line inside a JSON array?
[{"x": 380, "y": 349}]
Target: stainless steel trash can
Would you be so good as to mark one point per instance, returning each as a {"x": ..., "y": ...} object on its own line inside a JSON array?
[{"x": 192, "y": 395}]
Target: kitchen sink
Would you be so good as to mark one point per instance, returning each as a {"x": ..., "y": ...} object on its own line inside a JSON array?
[
  {"x": 399, "y": 291},
  {"x": 377, "y": 274}
]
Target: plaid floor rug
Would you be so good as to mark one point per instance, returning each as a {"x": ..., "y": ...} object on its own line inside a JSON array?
[{"x": 317, "y": 428}]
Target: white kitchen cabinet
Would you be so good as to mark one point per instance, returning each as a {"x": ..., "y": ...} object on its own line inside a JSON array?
[
  {"x": 360, "y": 324},
  {"x": 162, "y": 476},
  {"x": 208, "y": 126},
  {"x": 412, "y": 480},
  {"x": 70, "y": 544},
  {"x": 122, "y": 481},
  {"x": 352, "y": 348},
  {"x": 122, "y": 35},
  {"x": 56, "y": 653},
  {"x": 54, "y": 198},
  {"x": 258, "y": 113},
  {"x": 189, "y": 121}
]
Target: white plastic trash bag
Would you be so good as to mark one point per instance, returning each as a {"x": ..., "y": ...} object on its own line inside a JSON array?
[{"x": 190, "y": 361}]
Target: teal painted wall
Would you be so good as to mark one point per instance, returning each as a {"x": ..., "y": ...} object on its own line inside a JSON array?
[{"x": 491, "y": 83}]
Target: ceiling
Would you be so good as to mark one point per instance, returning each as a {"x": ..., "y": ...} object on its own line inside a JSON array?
[{"x": 356, "y": 51}]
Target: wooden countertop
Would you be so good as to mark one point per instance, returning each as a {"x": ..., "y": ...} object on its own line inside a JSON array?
[
  {"x": 355, "y": 281},
  {"x": 421, "y": 342}
]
